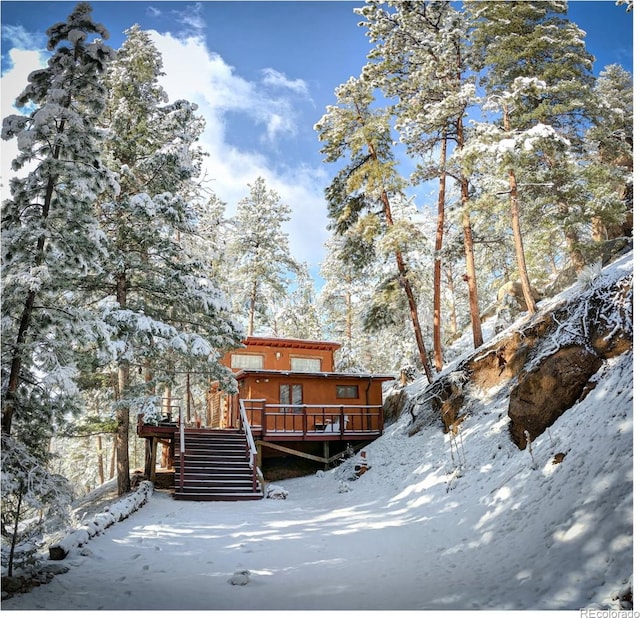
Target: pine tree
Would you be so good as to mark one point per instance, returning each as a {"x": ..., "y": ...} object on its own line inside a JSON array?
[
  {"x": 360, "y": 196},
  {"x": 420, "y": 62},
  {"x": 167, "y": 318},
  {"x": 298, "y": 317},
  {"x": 610, "y": 155},
  {"x": 50, "y": 240},
  {"x": 259, "y": 249},
  {"x": 537, "y": 70},
  {"x": 31, "y": 498}
]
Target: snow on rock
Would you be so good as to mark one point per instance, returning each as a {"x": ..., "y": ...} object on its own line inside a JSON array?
[
  {"x": 275, "y": 492},
  {"x": 100, "y": 522},
  {"x": 240, "y": 578}
]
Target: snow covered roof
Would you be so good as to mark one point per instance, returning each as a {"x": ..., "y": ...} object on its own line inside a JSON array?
[{"x": 277, "y": 342}]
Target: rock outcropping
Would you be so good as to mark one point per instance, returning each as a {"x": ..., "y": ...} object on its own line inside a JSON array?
[{"x": 544, "y": 364}]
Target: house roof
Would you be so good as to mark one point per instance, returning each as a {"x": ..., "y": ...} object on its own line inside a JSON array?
[
  {"x": 276, "y": 342},
  {"x": 332, "y": 375}
]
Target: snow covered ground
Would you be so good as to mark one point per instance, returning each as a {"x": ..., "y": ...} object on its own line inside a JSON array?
[
  {"x": 509, "y": 531},
  {"x": 470, "y": 523}
]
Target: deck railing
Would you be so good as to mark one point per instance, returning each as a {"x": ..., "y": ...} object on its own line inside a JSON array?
[
  {"x": 312, "y": 419},
  {"x": 252, "y": 451}
]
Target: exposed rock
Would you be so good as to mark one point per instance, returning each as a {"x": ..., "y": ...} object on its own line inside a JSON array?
[
  {"x": 506, "y": 359},
  {"x": 393, "y": 405},
  {"x": 276, "y": 492},
  {"x": 56, "y": 552},
  {"x": 558, "y": 458},
  {"x": 240, "y": 578},
  {"x": 542, "y": 395},
  {"x": 450, "y": 410},
  {"x": 607, "y": 339},
  {"x": 513, "y": 289}
]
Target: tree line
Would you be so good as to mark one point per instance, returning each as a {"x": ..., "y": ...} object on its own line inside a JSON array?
[
  {"x": 528, "y": 156},
  {"x": 124, "y": 278}
]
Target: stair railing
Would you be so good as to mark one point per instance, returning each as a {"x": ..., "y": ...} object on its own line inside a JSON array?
[
  {"x": 251, "y": 445},
  {"x": 181, "y": 425}
]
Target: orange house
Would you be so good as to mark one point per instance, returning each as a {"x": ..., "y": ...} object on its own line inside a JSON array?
[{"x": 294, "y": 400}]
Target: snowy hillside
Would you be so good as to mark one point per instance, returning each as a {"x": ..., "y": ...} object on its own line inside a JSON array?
[{"x": 462, "y": 522}]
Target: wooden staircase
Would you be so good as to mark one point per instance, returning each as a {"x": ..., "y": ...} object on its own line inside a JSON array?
[{"x": 216, "y": 467}]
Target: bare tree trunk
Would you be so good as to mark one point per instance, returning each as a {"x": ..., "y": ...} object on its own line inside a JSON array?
[
  {"x": 437, "y": 264},
  {"x": 112, "y": 465},
  {"x": 122, "y": 433},
  {"x": 413, "y": 306},
  {"x": 517, "y": 232},
  {"x": 122, "y": 412},
  {"x": 252, "y": 308},
  {"x": 100, "y": 460},
  {"x": 517, "y": 237},
  {"x": 470, "y": 275},
  {"x": 404, "y": 281},
  {"x": 453, "y": 317}
]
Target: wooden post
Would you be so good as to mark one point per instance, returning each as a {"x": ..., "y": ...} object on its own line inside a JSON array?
[
  {"x": 147, "y": 458},
  {"x": 325, "y": 452},
  {"x": 154, "y": 453}
]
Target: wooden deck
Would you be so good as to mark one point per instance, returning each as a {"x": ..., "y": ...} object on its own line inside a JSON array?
[
  {"x": 321, "y": 433},
  {"x": 278, "y": 422}
]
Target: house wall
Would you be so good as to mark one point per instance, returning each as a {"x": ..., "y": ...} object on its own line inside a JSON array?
[
  {"x": 315, "y": 391},
  {"x": 277, "y": 354}
]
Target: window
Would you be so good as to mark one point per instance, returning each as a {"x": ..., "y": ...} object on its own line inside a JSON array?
[
  {"x": 247, "y": 361},
  {"x": 305, "y": 364},
  {"x": 346, "y": 392},
  {"x": 291, "y": 394}
]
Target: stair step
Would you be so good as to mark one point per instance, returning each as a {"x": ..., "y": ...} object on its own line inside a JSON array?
[
  {"x": 209, "y": 497},
  {"x": 195, "y": 457},
  {"x": 236, "y": 489},
  {"x": 214, "y": 465},
  {"x": 215, "y": 482}
]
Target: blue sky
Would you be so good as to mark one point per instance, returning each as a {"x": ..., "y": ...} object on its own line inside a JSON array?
[{"x": 262, "y": 73}]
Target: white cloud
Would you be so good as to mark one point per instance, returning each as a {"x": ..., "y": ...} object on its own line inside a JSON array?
[
  {"x": 191, "y": 17},
  {"x": 195, "y": 73},
  {"x": 20, "y": 64},
  {"x": 280, "y": 80}
]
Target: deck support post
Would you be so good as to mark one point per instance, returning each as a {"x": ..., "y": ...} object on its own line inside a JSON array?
[
  {"x": 154, "y": 454},
  {"x": 259, "y": 455},
  {"x": 325, "y": 452}
]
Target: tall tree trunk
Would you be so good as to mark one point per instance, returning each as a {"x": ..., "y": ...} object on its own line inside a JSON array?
[
  {"x": 122, "y": 433},
  {"x": 112, "y": 463},
  {"x": 437, "y": 264},
  {"x": 517, "y": 237},
  {"x": 470, "y": 275},
  {"x": 451, "y": 284},
  {"x": 100, "y": 460},
  {"x": 252, "y": 308},
  {"x": 517, "y": 232},
  {"x": 404, "y": 281},
  {"x": 413, "y": 306},
  {"x": 122, "y": 412}
]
